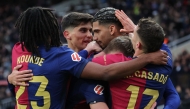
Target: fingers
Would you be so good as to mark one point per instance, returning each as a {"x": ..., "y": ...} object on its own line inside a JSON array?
[
  {"x": 18, "y": 77},
  {"x": 117, "y": 14},
  {"x": 165, "y": 56},
  {"x": 164, "y": 59},
  {"x": 121, "y": 16},
  {"x": 154, "y": 105},
  {"x": 125, "y": 21},
  {"x": 164, "y": 52},
  {"x": 124, "y": 17},
  {"x": 21, "y": 84},
  {"x": 125, "y": 31},
  {"x": 17, "y": 67},
  {"x": 25, "y": 72}
]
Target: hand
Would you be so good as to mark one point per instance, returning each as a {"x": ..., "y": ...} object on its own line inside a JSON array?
[
  {"x": 158, "y": 58},
  {"x": 93, "y": 46},
  {"x": 128, "y": 25},
  {"x": 154, "y": 105},
  {"x": 19, "y": 77}
]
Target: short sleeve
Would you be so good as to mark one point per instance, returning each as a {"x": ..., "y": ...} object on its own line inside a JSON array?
[{"x": 72, "y": 62}]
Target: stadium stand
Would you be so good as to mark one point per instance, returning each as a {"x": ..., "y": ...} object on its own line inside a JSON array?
[{"x": 173, "y": 15}]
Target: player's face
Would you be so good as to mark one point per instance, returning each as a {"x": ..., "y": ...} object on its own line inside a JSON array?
[
  {"x": 81, "y": 36},
  {"x": 101, "y": 34}
]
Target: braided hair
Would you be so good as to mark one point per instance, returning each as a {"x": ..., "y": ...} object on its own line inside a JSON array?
[
  {"x": 107, "y": 16},
  {"x": 38, "y": 26}
]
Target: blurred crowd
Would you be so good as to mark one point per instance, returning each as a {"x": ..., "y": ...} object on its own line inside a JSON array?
[
  {"x": 181, "y": 76},
  {"x": 172, "y": 15}
]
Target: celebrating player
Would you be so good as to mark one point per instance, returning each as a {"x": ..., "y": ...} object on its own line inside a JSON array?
[
  {"x": 77, "y": 29},
  {"x": 145, "y": 86},
  {"x": 170, "y": 94},
  {"x": 40, "y": 49}
]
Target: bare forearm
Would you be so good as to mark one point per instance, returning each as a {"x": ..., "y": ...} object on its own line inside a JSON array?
[
  {"x": 99, "y": 105},
  {"x": 122, "y": 69},
  {"x": 114, "y": 71},
  {"x": 119, "y": 70}
]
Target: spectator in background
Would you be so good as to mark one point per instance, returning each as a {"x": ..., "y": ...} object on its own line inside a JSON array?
[{"x": 171, "y": 15}]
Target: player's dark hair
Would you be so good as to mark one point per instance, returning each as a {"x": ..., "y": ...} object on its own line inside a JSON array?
[
  {"x": 74, "y": 19},
  {"x": 107, "y": 16},
  {"x": 151, "y": 34},
  {"x": 38, "y": 26},
  {"x": 121, "y": 43}
]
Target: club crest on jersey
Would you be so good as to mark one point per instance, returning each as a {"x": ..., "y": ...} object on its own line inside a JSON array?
[
  {"x": 76, "y": 57},
  {"x": 99, "y": 89}
]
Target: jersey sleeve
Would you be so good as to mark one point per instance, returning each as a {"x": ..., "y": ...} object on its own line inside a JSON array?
[
  {"x": 93, "y": 91},
  {"x": 72, "y": 62},
  {"x": 83, "y": 53},
  {"x": 171, "y": 96}
]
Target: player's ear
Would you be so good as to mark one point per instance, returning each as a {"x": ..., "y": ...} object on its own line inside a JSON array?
[
  {"x": 112, "y": 29},
  {"x": 139, "y": 45},
  {"x": 66, "y": 34}
]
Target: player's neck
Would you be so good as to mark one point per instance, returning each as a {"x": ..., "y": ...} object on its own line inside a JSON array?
[
  {"x": 138, "y": 53},
  {"x": 73, "y": 47}
]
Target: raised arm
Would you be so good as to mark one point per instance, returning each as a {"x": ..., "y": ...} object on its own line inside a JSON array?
[
  {"x": 128, "y": 25},
  {"x": 122, "y": 69}
]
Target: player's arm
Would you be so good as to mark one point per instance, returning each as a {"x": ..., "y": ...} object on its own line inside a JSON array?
[
  {"x": 99, "y": 72},
  {"x": 99, "y": 105},
  {"x": 83, "y": 53},
  {"x": 172, "y": 99},
  {"x": 122, "y": 69},
  {"x": 94, "y": 92}
]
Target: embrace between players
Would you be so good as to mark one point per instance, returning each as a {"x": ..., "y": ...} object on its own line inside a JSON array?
[{"x": 126, "y": 56}]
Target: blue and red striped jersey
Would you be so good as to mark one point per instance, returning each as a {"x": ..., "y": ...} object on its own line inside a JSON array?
[
  {"x": 51, "y": 72},
  {"x": 141, "y": 89}
]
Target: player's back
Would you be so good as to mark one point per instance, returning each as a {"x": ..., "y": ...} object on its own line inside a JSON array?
[
  {"x": 51, "y": 71},
  {"x": 140, "y": 90}
]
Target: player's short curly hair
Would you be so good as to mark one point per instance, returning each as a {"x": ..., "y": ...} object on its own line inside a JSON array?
[{"x": 107, "y": 16}]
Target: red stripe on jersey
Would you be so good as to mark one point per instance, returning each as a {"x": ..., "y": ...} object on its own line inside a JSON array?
[
  {"x": 20, "y": 91},
  {"x": 127, "y": 92}
]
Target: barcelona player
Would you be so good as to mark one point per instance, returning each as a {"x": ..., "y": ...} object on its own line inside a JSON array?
[
  {"x": 112, "y": 20},
  {"x": 77, "y": 29},
  {"x": 145, "y": 86},
  {"x": 105, "y": 24},
  {"x": 40, "y": 49}
]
